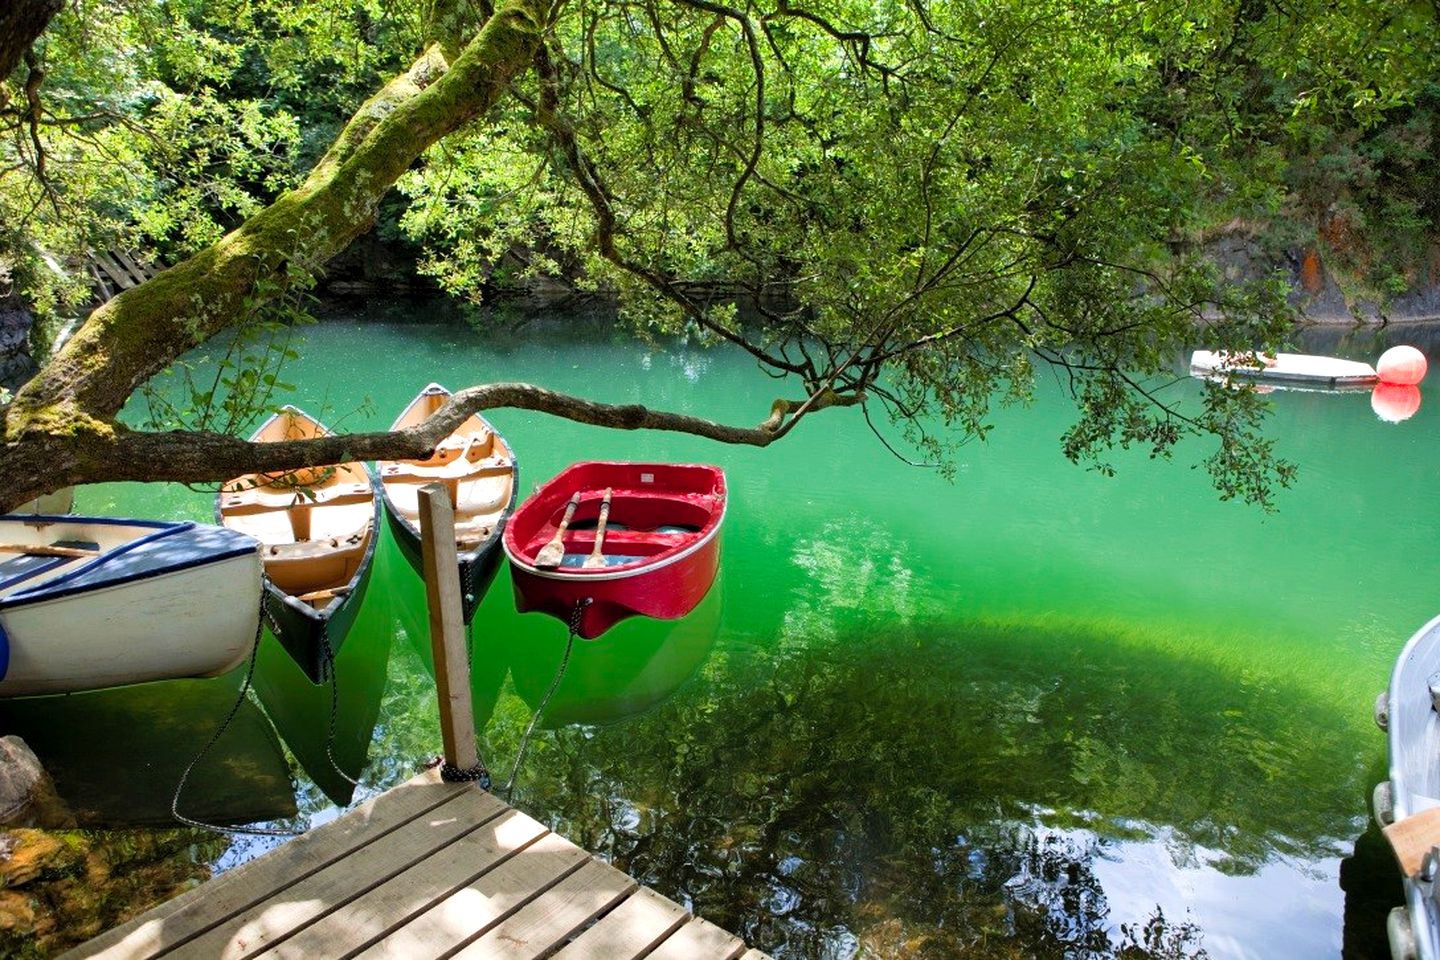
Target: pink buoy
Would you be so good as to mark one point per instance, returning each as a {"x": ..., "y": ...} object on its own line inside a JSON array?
[
  {"x": 1401, "y": 364},
  {"x": 1395, "y": 402}
]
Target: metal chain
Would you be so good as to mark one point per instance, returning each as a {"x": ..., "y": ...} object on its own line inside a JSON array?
[
  {"x": 334, "y": 672},
  {"x": 580, "y": 606},
  {"x": 215, "y": 737}
]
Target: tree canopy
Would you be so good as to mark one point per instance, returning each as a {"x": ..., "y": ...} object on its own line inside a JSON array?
[{"x": 927, "y": 205}]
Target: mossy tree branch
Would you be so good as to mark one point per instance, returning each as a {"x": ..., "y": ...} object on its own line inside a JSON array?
[
  {"x": 63, "y": 420},
  {"x": 201, "y": 457}
]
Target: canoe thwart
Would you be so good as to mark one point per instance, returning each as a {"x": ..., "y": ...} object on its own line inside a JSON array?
[
  {"x": 49, "y": 550},
  {"x": 327, "y": 594}
]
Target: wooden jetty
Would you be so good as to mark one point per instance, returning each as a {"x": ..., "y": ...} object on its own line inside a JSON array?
[
  {"x": 429, "y": 869},
  {"x": 426, "y": 870}
]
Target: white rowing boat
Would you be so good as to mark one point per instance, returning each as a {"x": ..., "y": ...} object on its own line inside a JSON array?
[
  {"x": 1407, "y": 806},
  {"x": 92, "y": 602},
  {"x": 1283, "y": 368}
]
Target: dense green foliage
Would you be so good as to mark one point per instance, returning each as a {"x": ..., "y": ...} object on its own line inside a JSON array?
[{"x": 930, "y": 202}]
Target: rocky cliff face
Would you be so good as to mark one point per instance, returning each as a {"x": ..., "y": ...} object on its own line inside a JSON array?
[
  {"x": 16, "y": 364},
  {"x": 1323, "y": 292}
]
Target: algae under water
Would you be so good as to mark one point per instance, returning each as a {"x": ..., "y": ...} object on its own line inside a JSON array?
[{"x": 1032, "y": 712}]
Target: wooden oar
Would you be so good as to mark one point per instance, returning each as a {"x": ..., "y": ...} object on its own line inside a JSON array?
[
  {"x": 596, "y": 558},
  {"x": 47, "y": 551},
  {"x": 553, "y": 552},
  {"x": 324, "y": 594}
]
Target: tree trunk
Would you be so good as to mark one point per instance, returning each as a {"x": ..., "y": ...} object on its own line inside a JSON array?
[
  {"x": 21, "y": 21},
  {"x": 60, "y": 428}
]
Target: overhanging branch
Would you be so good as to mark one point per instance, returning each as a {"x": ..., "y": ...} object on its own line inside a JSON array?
[{"x": 201, "y": 457}]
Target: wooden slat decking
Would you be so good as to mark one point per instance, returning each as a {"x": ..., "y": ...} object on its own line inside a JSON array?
[{"x": 427, "y": 870}]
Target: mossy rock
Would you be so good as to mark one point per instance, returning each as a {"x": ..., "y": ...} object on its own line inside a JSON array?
[{"x": 27, "y": 855}]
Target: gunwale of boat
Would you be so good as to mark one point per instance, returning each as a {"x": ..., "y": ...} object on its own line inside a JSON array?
[
  {"x": 673, "y": 547},
  {"x": 482, "y": 486},
  {"x": 306, "y": 520}
]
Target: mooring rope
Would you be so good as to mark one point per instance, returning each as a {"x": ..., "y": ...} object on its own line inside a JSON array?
[
  {"x": 580, "y": 606},
  {"x": 219, "y": 732}
]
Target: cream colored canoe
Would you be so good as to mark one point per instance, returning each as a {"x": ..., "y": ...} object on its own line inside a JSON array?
[
  {"x": 478, "y": 467},
  {"x": 317, "y": 527},
  {"x": 92, "y": 602}
]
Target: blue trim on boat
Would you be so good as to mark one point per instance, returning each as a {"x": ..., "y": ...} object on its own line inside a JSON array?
[
  {"x": 40, "y": 519},
  {"x": 34, "y": 570},
  {"x": 4, "y": 652}
]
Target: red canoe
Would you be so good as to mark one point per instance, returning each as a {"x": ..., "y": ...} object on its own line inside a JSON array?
[{"x": 661, "y": 546}]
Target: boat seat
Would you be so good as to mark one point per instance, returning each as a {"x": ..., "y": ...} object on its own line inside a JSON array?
[
  {"x": 268, "y": 525},
  {"x": 309, "y": 565},
  {"x": 406, "y": 471},
  {"x": 271, "y": 498},
  {"x": 485, "y": 499},
  {"x": 343, "y": 493},
  {"x": 478, "y": 440}
]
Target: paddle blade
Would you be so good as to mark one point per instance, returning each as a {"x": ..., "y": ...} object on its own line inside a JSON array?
[{"x": 551, "y": 554}]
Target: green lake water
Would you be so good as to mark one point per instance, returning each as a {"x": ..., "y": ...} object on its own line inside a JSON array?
[{"x": 1032, "y": 712}]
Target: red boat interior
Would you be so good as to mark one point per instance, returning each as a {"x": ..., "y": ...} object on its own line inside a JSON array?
[{"x": 646, "y": 522}]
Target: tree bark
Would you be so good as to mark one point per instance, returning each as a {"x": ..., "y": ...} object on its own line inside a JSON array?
[{"x": 21, "y": 22}]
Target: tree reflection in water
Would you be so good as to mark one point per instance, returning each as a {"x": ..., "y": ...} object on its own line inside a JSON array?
[{"x": 939, "y": 788}]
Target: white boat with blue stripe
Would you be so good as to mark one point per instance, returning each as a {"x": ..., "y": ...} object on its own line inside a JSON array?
[{"x": 92, "y": 602}]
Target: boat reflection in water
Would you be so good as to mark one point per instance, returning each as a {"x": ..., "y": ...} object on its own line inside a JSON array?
[
  {"x": 333, "y": 748},
  {"x": 637, "y": 664},
  {"x": 143, "y": 737}
]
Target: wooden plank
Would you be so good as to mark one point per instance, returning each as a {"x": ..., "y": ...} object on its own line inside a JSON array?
[
  {"x": 1413, "y": 837},
  {"x": 138, "y": 272},
  {"x": 212, "y": 903},
  {"x": 46, "y": 550},
  {"x": 479, "y": 906},
  {"x": 699, "y": 939},
  {"x": 281, "y": 916},
  {"x": 114, "y": 271},
  {"x": 630, "y": 930},
  {"x": 753, "y": 954},
  {"x": 370, "y": 916},
  {"x": 548, "y": 920},
  {"x": 441, "y": 571},
  {"x": 105, "y": 293}
]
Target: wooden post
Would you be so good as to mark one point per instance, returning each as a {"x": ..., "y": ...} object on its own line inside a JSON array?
[{"x": 447, "y": 627}]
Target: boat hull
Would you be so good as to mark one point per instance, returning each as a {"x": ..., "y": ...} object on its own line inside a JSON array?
[
  {"x": 187, "y": 610},
  {"x": 313, "y": 637},
  {"x": 667, "y": 593},
  {"x": 651, "y": 570},
  {"x": 1413, "y": 729},
  {"x": 477, "y": 567}
]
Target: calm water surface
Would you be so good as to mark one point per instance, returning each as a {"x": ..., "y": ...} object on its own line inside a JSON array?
[{"x": 1033, "y": 712}]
